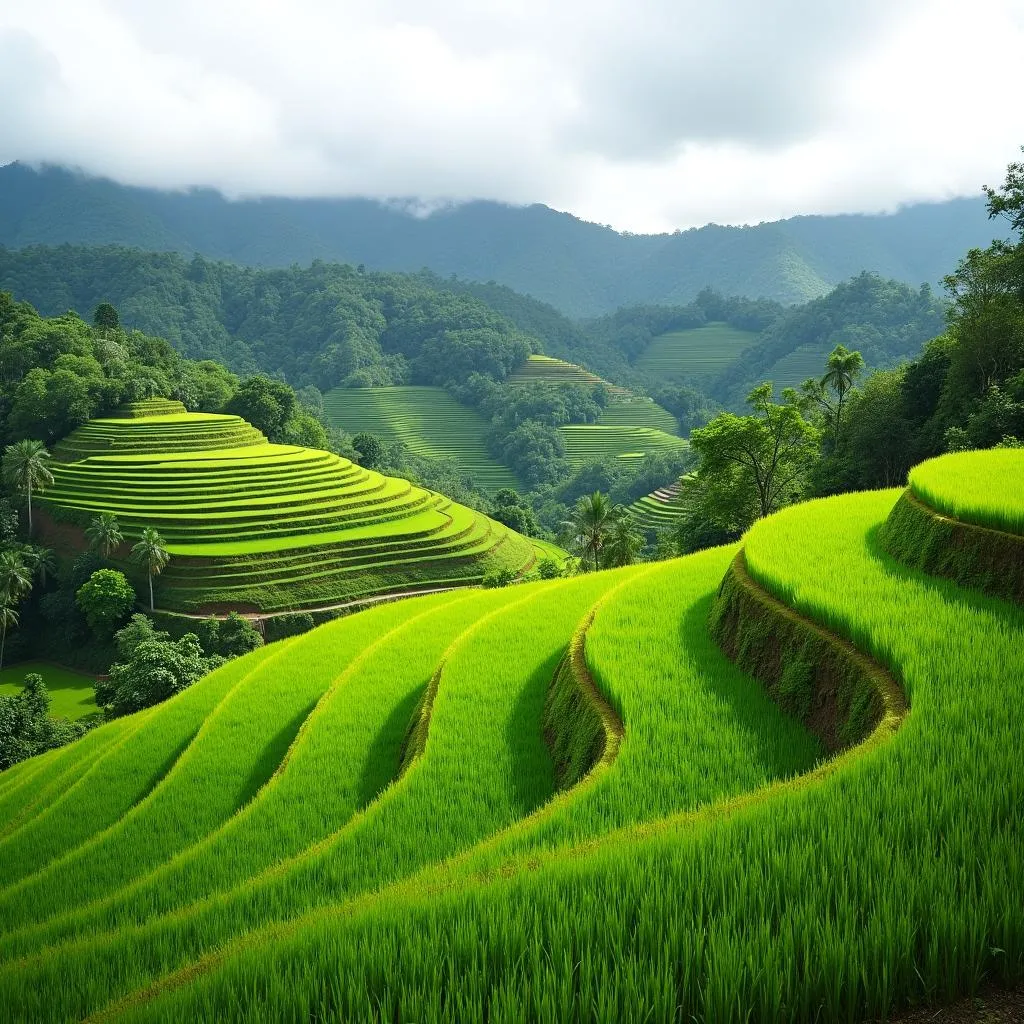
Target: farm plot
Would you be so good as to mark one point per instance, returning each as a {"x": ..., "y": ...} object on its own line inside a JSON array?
[
  {"x": 268, "y": 526},
  {"x": 659, "y": 510},
  {"x": 639, "y": 412},
  {"x": 698, "y": 352},
  {"x": 428, "y": 421},
  {"x": 561, "y": 801},
  {"x": 547, "y": 370},
  {"x": 584, "y": 443},
  {"x": 71, "y": 692}
]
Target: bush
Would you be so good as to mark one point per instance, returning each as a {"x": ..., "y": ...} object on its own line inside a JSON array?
[
  {"x": 548, "y": 569},
  {"x": 26, "y": 728}
]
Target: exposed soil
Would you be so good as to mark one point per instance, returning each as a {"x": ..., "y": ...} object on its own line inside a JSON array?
[{"x": 991, "y": 1006}]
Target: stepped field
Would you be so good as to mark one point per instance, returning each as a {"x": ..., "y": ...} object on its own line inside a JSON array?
[
  {"x": 777, "y": 781},
  {"x": 658, "y": 510},
  {"x": 797, "y": 366},
  {"x": 639, "y": 412},
  {"x": 540, "y": 369},
  {"x": 263, "y": 526},
  {"x": 426, "y": 419},
  {"x": 586, "y": 442},
  {"x": 695, "y": 352}
]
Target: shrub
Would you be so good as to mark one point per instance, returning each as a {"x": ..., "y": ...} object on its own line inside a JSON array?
[{"x": 105, "y": 599}]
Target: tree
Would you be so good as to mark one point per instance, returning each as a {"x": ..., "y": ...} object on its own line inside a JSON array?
[
  {"x": 26, "y": 728},
  {"x": 105, "y": 599},
  {"x": 25, "y": 469},
  {"x": 370, "y": 450},
  {"x": 8, "y": 617},
  {"x": 844, "y": 367},
  {"x": 773, "y": 449},
  {"x": 230, "y": 637},
  {"x": 106, "y": 318},
  {"x": 150, "y": 553},
  {"x": 266, "y": 403},
  {"x": 587, "y": 530},
  {"x": 624, "y": 542},
  {"x": 104, "y": 533},
  {"x": 157, "y": 669}
]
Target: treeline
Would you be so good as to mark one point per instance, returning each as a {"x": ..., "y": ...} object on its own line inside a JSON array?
[{"x": 847, "y": 430}]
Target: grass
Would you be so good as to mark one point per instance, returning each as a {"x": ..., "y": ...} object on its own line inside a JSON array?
[
  {"x": 411, "y": 857},
  {"x": 975, "y": 487},
  {"x": 71, "y": 693},
  {"x": 699, "y": 352},
  {"x": 659, "y": 510},
  {"x": 427, "y": 420},
  {"x": 264, "y": 526}
]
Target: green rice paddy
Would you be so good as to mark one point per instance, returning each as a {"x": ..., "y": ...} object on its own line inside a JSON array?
[
  {"x": 426, "y": 419},
  {"x": 639, "y": 412},
  {"x": 657, "y": 511},
  {"x": 697, "y": 352},
  {"x": 584, "y": 443},
  {"x": 984, "y": 488},
  {"x": 265, "y": 526},
  {"x": 555, "y": 802},
  {"x": 547, "y": 370}
]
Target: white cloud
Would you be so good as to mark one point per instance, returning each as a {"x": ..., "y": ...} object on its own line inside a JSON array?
[{"x": 649, "y": 114}]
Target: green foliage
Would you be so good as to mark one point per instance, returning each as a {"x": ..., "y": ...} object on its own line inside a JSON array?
[
  {"x": 26, "y": 728},
  {"x": 230, "y": 637},
  {"x": 25, "y": 469},
  {"x": 104, "y": 533},
  {"x": 106, "y": 318},
  {"x": 150, "y": 553},
  {"x": 156, "y": 668},
  {"x": 770, "y": 452},
  {"x": 105, "y": 599}
]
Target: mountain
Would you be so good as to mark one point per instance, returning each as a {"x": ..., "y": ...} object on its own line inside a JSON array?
[{"x": 582, "y": 269}]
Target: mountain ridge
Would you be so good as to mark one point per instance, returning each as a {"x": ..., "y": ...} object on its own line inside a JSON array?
[{"x": 581, "y": 268}]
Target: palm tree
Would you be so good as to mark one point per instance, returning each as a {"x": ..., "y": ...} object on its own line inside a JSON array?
[
  {"x": 587, "y": 530},
  {"x": 8, "y": 617},
  {"x": 624, "y": 543},
  {"x": 25, "y": 468},
  {"x": 41, "y": 562},
  {"x": 15, "y": 580},
  {"x": 150, "y": 552},
  {"x": 844, "y": 367},
  {"x": 104, "y": 533}
]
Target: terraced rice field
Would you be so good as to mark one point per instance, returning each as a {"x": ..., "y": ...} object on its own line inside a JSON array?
[
  {"x": 584, "y": 443},
  {"x": 557, "y": 802},
  {"x": 658, "y": 510},
  {"x": 796, "y": 367},
  {"x": 265, "y": 526},
  {"x": 698, "y": 352},
  {"x": 639, "y": 412},
  {"x": 426, "y": 419},
  {"x": 540, "y": 369},
  {"x": 984, "y": 488}
]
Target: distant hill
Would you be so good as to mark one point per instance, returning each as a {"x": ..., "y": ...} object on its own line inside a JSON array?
[{"x": 582, "y": 269}]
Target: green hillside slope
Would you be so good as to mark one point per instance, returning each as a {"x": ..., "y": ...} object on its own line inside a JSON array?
[
  {"x": 777, "y": 781},
  {"x": 263, "y": 526},
  {"x": 581, "y": 268},
  {"x": 694, "y": 355},
  {"x": 426, "y": 419},
  {"x": 586, "y": 442}
]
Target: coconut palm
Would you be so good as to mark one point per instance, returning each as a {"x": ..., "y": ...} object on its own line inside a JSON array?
[
  {"x": 844, "y": 367},
  {"x": 104, "y": 533},
  {"x": 8, "y": 617},
  {"x": 15, "y": 580},
  {"x": 624, "y": 542},
  {"x": 41, "y": 562},
  {"x": 587, "y": 531},
  {"x": 150, "y": 553},
  {"x": 25, "y": 469}
]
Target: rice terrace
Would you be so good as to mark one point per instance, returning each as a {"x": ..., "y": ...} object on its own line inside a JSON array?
[{"x": 424, "y": 610}]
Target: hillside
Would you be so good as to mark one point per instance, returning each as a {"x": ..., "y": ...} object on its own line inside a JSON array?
[
  {"x": 428, "y": 420},
  {"x": 582, "y": 269},
  {"x": 260, "y": 526},
  {"x": 694, "y": 355},
  {"x": 583, "y": 800}
]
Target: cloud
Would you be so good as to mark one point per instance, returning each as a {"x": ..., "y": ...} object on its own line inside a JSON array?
[{"x": 648, "y": 114}]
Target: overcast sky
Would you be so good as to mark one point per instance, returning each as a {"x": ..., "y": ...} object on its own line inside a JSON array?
[{"x": 647, "y": 115}]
